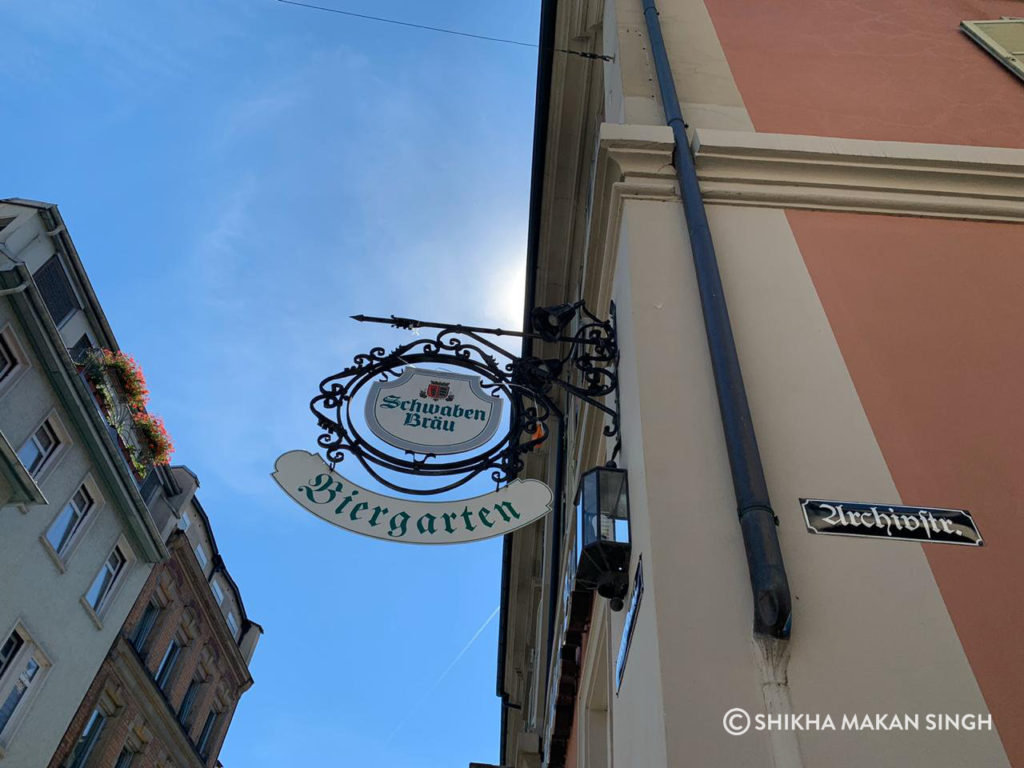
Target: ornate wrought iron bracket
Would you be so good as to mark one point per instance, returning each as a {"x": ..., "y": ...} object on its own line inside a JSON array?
[{"x": 587, "y": 370}]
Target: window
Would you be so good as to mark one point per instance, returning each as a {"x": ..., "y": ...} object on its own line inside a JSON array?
[
  {"x": 9, "y": 650},
  {"x": 166, "y": 669},
  {"x": 185, "y": 521},
  {"x": 13, "y": 360},
  {"x": 189, "y": 700},
  {"x": 1003, "y": 38},
  {"x": 145, "y": 626},
  {"x": 69, "y": 520},
  {"x": 17, "y": 692},
  {"x": 81, "y": 346},
  {"x": 104, "y": 581},
  {"x": 124, "y": 760},
  {"x": 58, "y": 295},
  {"x": 218, "y": 593},
  {"x": 38, "y": 448},
  {"x": 203, "y": 745},
  {"x": 87, "y": 741},
  {"x": 22, "y": 665},
  {"x": 201, "y": 555},
  {"x": 7, "y": 359},
  {"x": 232, "y": 624}
]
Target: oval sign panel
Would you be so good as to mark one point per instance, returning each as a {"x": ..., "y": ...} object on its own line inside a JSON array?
[
  {"x": 309, "y": 481},
  {"x": 427, "y": 411}
]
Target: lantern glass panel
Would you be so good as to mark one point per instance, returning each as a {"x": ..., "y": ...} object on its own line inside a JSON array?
[{"x": 602, "y": 507}]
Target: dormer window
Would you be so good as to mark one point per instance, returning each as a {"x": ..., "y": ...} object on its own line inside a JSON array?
[
  {"x": 232, "y": 624},
  {"x": 201, "y": 556},
  {"x": 218, "y": 593}
]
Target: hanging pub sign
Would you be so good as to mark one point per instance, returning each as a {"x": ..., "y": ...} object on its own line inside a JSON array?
[
  {"x": 309, "y": 481},
  {"x": 434, "y": 414},
  {"x": 885, "y": 521},
  {"x": 428, "y": 411}
]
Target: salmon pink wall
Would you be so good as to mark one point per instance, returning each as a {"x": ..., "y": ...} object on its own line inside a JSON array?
[
  {"x": 894, "y": 70},
  {"x": 929, "y": 315}
]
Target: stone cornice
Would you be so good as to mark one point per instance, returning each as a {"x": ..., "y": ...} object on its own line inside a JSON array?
[
  {"x": 888, "y": 177},
  {"x": 633, "y": 162}
]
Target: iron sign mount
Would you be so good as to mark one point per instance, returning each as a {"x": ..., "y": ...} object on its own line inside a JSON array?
[{"x": 587, "y": 370}]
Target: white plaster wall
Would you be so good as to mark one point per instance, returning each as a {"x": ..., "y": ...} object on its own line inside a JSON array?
[
  {"x": 692, "y": 641},
  {"x": 37, "y": 593}
]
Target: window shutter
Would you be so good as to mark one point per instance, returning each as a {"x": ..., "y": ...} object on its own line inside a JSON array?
[
  {"x": 1003, "y": 38},
  {"x": 57, "y": 293}
]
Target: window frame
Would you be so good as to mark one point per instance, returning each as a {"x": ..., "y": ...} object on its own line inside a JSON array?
[
  {"x": 63, "y": 438},
  {"x": 78, "y": 760},
  {"x": 1012, "y": 61},
  {"x": 139, "y": 639},
  {"x": 218, "y": 592},
  {"x": 108, "y": 597},
  {"x": 19, "y": 357},
  {"x": 200, "y": 552},
  {"x": 187, "y": 706},
  {"x": 205, "y": 737},
  {"x": 164, "y": 675},
  {"x": 17, "y": 665},
  {"x": 77, "y": 304},
  {"x": 63, "y": 555}
]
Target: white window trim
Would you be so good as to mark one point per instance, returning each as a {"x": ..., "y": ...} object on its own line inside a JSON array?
[
  {"x": 185, "y": 521},
  {"x": 201, "y": 557},
  {"x": 33, "y": 649},
  {"x": 229, "y": 620},
  {"x": 218, "y": 593},
  {"x": 114, "y": 591},
  {"x": 63, "y": 443},
  {"x": 21, "y": 364},
  {"x": 61, "y": 559}
]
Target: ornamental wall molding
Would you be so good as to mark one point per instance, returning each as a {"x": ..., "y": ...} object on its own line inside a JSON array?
[
  {"x": 634, "y": 162},
  {"x": 886, "y": 177}
]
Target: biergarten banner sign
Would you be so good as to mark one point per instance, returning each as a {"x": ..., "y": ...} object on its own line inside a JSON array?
[
  {"x": 442, "y": 411},
  {"x": 310, "y": 482},
  {"x": 885, "y": 521}
]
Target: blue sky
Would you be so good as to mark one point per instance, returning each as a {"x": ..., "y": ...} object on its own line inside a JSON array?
[{"x": 239, "y": 177}]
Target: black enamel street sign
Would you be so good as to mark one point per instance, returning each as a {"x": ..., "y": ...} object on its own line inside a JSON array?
[{"x": 884, "y": 521}]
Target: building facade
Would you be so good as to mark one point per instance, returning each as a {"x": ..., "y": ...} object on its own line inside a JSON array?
[
  {"x": 77, "y": 538},
  {"x": 861, "y": 172},
  {"x": 167, "y": 691},
  {"x": 86, "y": 510}
]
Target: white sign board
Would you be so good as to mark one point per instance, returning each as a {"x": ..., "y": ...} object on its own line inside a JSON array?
[
  {"x": 309, "y": 481},
  {"x": 428, "y": 411}
]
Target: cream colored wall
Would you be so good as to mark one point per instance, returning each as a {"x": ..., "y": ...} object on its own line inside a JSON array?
[{"x": 36, "y": 592}]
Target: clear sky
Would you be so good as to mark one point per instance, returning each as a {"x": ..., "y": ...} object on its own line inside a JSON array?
[{"x": 240, "y": 176}]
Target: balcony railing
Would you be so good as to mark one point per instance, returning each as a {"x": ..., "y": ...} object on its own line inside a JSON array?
[{"x": 112, "y": 403}]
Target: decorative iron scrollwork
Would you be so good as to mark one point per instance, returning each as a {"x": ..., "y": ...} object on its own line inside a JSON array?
[{"x": 588, "y": 370}]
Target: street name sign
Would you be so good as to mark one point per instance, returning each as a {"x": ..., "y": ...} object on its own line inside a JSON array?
[{"x": 886, "y": 521}]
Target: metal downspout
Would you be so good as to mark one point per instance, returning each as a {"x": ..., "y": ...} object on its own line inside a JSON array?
[{"x": 772, "y": 604}]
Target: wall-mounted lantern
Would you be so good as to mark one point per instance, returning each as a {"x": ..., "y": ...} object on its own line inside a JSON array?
[{"x": 602, "y": 534}]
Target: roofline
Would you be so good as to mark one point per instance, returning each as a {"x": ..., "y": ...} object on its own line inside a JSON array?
[{"x": 219, "y": 566}]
